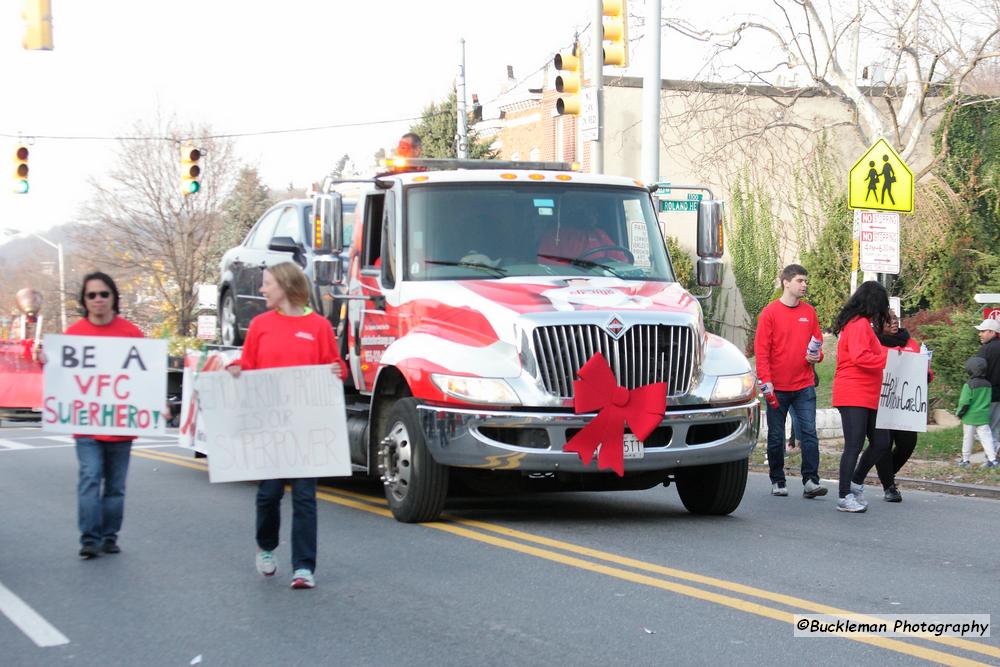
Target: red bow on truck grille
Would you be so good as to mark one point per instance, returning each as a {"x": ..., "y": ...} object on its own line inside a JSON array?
[{"x": 641, "y": 408}]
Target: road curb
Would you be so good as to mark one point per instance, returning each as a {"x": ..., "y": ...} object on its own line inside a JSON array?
[{"x": 953, "y": 488}]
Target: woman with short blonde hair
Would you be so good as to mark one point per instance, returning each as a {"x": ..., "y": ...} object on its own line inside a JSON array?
[{"x": 292, "y": 281}]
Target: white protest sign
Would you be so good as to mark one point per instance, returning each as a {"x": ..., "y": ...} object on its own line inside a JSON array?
[
  {"x": 101, "y": 385},
  {"x": 902, "y": 404},
  {"x": 276, "y": 423},
  {"x": 195, "y": 362}
]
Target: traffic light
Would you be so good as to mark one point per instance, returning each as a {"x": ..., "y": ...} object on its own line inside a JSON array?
[
  {"x": 21, "y": 170},
  {"x": 569, "y": 81},
  {"x": 615, "y": 33},
  {"x": 37, "y": 15},
  {"x": 190, "y": 169}
]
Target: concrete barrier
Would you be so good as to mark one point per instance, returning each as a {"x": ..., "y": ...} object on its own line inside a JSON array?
[{"x": 827, "y": 425}]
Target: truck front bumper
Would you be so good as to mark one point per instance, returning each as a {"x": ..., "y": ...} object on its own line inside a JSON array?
[{"x": 533, "y": 441}]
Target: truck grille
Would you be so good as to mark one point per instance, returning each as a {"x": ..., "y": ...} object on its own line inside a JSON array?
[{"x": 645, "y": 353}]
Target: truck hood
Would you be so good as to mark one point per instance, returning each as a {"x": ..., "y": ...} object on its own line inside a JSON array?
[{"x": 471, "y": 326}]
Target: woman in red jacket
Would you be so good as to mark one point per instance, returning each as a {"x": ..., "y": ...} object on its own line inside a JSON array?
[
  {"x": 901, "y": 443},
  {"x": 856, "y": 384},
  {"x": 288, "y": 334}
]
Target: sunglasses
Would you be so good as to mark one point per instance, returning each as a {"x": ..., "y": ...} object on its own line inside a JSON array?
[{"x": 104, "y": 294}]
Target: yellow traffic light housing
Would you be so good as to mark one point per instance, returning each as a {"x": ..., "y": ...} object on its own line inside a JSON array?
[
  {"x": 569, "y": 81},
  {"x": 615, "y": 33},
  {"x": 21, "y": 170},
  {"x": 190, "y": 170},
  {"x": 37, "y": 15}
]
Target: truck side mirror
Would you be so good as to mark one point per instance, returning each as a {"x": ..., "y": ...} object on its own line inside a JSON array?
[
  {"x": 710, "y": 243},
  {"x": 328, "y": 231}
]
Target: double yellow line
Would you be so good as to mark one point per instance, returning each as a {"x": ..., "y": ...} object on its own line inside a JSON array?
[{"x": 639, "y": 572}]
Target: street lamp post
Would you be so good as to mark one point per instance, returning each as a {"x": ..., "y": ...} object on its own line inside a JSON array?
[{"x": 62, "y": 272}]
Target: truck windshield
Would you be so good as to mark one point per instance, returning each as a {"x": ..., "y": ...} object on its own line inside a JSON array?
[{"x": 494, "y": 230}]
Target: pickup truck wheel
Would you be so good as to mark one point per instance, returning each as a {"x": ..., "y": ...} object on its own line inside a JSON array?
[
  {"x": 415, "y": 484},
  {"x": 713, "y": 489},
  {"x": 230, "y": 329}
]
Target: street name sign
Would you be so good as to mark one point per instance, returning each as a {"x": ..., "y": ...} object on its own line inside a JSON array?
[
  {"x": 879, "y": 241},
  {"x": 589, "y": 115},
  {"x": 678, "y": 205},
  {"x": 881, "y": 181}
]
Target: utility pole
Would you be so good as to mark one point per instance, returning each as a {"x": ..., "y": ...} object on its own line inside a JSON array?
[
  {"x": 597, "y": 81},
  {"x": 650, "y": 155},
  {"x": 462, "y": 136}
]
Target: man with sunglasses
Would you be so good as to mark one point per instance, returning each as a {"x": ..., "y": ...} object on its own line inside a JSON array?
[{"x": 103, "y": 458}]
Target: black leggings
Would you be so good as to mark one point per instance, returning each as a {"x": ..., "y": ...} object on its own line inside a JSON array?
[
  {"x": 901, "y": 445},
  {"x": 859, "y": 423}
]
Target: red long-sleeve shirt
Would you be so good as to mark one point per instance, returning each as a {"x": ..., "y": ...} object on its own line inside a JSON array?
[
  {"x": 275, "y": 341},
  {"x": 860, "y": 362},
  {"x": 783, "y": 334},
  {"x": 118, "y": 327}
]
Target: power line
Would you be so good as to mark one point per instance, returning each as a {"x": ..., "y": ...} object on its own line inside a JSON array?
[{"x": 230, "y": 135}]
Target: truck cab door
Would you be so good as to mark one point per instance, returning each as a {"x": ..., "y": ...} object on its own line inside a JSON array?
[{"x": 373, "y": 326}]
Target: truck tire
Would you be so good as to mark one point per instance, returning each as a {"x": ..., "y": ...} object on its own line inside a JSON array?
[
  {"x": 713, "y": 489},
  {"x": 229, "y": 328},
  {"x": 415, "y": 484}
]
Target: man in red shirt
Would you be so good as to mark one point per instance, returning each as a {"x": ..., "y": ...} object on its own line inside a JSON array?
[
  {"x": 577, "y": 235},
  {"x": 785, "y": 368}
]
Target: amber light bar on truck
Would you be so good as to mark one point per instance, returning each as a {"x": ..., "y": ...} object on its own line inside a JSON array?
[{"x": 404, "y": 164}]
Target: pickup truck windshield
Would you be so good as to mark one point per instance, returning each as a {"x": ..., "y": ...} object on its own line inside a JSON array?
[{"x": 498, "y": 230}]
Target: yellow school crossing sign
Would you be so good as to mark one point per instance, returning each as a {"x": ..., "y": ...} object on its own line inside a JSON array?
[{"x": 881, "y": 181}]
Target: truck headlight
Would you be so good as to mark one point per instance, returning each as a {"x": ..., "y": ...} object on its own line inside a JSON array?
[
  {"x": 476, "y": 390},
  {"x": 733, "y": 387}
]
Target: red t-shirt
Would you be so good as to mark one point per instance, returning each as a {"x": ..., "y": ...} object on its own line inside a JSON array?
[
  {"x": 275, "y": 341},
  {"x": 783, "y": 334},
  {"x": 573, "y": 242},
  {"x": 860, "y": 362},
  {"x": 119, "y": 327}
]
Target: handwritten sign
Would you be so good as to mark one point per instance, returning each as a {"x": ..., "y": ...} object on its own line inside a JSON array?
[
  {"x": 100, "y": 385},
  {"x": 276, "y": 423},
  {"x": 195, "y": 363},
  {"x": 902, "y": 404}
]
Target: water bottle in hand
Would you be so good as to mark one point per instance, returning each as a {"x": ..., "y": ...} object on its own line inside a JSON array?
[{"x": 814, "y": 346}]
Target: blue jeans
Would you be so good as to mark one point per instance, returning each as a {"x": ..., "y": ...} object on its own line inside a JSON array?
[
  {"x": 100, "y": 512},
  {"x": 803, "y": 402},
  {"x": 269, "y": 495}
]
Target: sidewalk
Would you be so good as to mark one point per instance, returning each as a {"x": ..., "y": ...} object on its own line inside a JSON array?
[{"x": 926, "y": 475}]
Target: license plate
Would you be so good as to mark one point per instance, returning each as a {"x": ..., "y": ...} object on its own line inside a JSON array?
[{"x": 633, "y": 447}]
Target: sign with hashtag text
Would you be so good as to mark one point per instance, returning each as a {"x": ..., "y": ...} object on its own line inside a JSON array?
[{"x": 902, "y": 404}]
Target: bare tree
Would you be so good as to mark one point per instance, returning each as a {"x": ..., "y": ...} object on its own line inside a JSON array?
[
  {"x": 155, "y": 235},
  {"x": 920, "y": 58}
]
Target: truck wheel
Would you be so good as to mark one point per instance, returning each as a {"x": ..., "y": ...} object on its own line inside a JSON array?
[
  {"x": 230, "y": 329},
  {"x": 415, "y": 484},
  {"x": 713, "y": 489}
]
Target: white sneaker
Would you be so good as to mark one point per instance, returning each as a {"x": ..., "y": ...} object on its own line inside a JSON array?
[
  {"x": 303, "y": 579},
  {"x": 778, "y": 489},
  {"x": 813, "y": 490},
  {"x": 266, "y": 564},
  {"x": 859, "y": 493},
  {"x": 850, "y": 504}
]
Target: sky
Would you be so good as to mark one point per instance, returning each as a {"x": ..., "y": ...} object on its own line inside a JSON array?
[{"x": 244, "y": 67}]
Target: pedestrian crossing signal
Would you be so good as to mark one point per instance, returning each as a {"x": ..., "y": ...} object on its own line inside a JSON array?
[
  {"x": 21, "y": 170},
  {"x": 190, "y": 170}
]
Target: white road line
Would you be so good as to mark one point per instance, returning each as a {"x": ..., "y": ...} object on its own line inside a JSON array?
[
  {"x": 151, "y": 445},
  {"x": 29, "y": 621},
  {"x": 10, "y": 444}
]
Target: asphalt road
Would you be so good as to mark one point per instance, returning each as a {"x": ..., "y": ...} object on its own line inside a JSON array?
[{"x": 554, "y": 579}]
